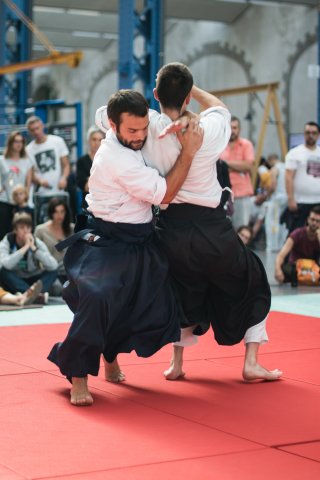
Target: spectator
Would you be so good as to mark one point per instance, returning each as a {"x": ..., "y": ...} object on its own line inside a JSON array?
[
  {"x": 24, "y": 259},
  {"x": 304, "y": 242},
  {"x": 84, "y": 163},
  {"x": 245, "y": 233},
  {"x": 239, "y": 156},
  {"x": 57, "y": 228},
  {"x": 20, "y": 198},
  {"x": 21, "y": 299},
  {"x": 49, "y": 155},
  {"x": 303, "y": 177},
  {"x": 17, "y": 166},
  {"x": 276, "y": 232}
]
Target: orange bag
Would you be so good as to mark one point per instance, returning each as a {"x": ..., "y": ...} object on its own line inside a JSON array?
[{"x": 308, "y": 272}]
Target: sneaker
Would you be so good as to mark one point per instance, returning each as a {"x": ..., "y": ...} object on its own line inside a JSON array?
[
  {"x": 42, "y": 298},
  {"x": 32, "y": 293}
]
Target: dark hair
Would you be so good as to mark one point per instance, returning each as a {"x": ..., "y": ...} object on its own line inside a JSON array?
[
  {"x": 53, "y": 204},
  {"x": 314, "y": 124},
  {"x": 21, "y": 218},
  {"x": 9, "y": 145},
  {"x": 235, "y": 119},
  {"x": 126, "y": 101},
  {"x": 174, "y": 83},
  {"x": 315, "y": 209}
]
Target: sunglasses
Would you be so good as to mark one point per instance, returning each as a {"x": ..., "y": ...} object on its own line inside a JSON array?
[{"x": 311, "y": 132}]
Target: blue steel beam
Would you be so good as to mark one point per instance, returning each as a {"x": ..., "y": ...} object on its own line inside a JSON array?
[
  {"x": 143, "y": 66},
  {"x": 14, "y": 48}
]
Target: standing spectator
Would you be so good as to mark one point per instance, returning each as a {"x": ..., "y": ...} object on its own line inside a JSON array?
[
  {"x": 276, "y": 232},
  {"x": 57, "y": 228},
  {"x": 84, "y": 163},
  {"x": 49, "y": 154},
  {"x": 239, "y": 155},
  {"x": 24, "y": 259},
  {"x": 304, "y": 242},
  {"x": 303, "y": 177},
  {"x": 17, "y": 166}
]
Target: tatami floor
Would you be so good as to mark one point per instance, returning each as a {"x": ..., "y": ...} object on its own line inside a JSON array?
[{"x": 209, "y": 426}]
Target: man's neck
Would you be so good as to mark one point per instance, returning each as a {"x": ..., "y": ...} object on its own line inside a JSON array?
[
  {"x": 171, "y": 113},
  {"x": 311, "y": 234},
  {"x": 311, "y": 147},
  {"x": 42, "y": 139}
]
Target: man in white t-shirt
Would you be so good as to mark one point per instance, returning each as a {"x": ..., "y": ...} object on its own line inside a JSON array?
[
  {"x": 219, "y": 281},
  {"x": 49, "y": 154},
  {"x": 303, "y": 177},
  {"x": 119, "y": 289}
]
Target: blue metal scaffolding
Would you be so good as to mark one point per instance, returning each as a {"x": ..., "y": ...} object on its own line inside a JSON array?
[
  {"x": 140, "y": 61},
  {"x": 15, "y": 47}
]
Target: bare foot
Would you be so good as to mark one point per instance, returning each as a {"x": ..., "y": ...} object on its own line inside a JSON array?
[
  {"x": 29, "y": 296},
  {"x": 80, "y": 395},
  {"x": 175, "y": 371},
  {"x": 257, "y": 372},
  {"x": 113, "y": 372}
]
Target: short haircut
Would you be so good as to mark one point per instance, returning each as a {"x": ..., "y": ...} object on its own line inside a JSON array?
[
  {"x": 94, "y": 129},
  {"x": 235, "y": 119},
  {"x": 313, "y": 124},
  {"x": 315, "y": 209},
  {"x": 21, "y": 218},
  {"x": 32, "y": 120},
  {"x": 17, "y": 189},
  {"x": 126, "y": 101},
  {"x": 174, "y": 83}
]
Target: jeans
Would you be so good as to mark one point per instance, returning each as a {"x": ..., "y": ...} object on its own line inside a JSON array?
[{"x": 13, "y": 283}]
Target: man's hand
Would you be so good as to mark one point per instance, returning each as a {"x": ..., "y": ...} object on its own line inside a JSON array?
[
  {"x": 292, "y": 205},
  {"x": 44, "y": 184},
  {"x": 180, "y": 124},
  {"x": 191, "y": 140},
  {"x": 279, "y": 276},
  {"x": 62, "y": 183},
  {"x": 30, "y": 242}
]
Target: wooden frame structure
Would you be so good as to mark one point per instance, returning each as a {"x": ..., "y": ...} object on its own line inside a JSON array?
[{"x": 272, "y": 100}]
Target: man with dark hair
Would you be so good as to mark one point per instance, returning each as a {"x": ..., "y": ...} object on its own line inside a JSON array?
[
  {"x": 303, "y": 177},
  {"x": 119, "y": 290},
  {"x": 219, "y": 281},
  {"x": 303, "y": 242}
]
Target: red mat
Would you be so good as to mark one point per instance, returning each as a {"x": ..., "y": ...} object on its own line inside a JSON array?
[{"x": 209, "y": 426}]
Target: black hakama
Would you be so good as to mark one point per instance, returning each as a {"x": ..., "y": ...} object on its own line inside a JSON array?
[
  {"x": 220, "y": 282},
  {"x": 120, "y": 295}
]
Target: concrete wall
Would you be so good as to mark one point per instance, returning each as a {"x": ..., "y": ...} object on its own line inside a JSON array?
[{"x": 265, "y": 44}]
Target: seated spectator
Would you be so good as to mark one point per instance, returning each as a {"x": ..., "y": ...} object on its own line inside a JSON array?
[
  {"x": 57, "y": 228},
  {"x": 20, "y": 199},
  {"x": 84, "y": 163},
  {"x": 25, "y": 259},
  {"x": 21, "y": 299},
  {"x": 304, "y": 242},
  {"x": 245, "y": 233}
]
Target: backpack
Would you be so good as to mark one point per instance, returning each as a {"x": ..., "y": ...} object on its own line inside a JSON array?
[{"x": 308, "y": 272}]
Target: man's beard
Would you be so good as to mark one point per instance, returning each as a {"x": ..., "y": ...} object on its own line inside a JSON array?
[
  {"x": 137, "y": 145},
  {"x": 310, "y": 142}
]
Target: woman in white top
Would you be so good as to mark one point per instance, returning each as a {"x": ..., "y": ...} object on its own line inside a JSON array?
[
  {"x": 17, "y": 164},
  {"x": 57, "y": 228}
]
